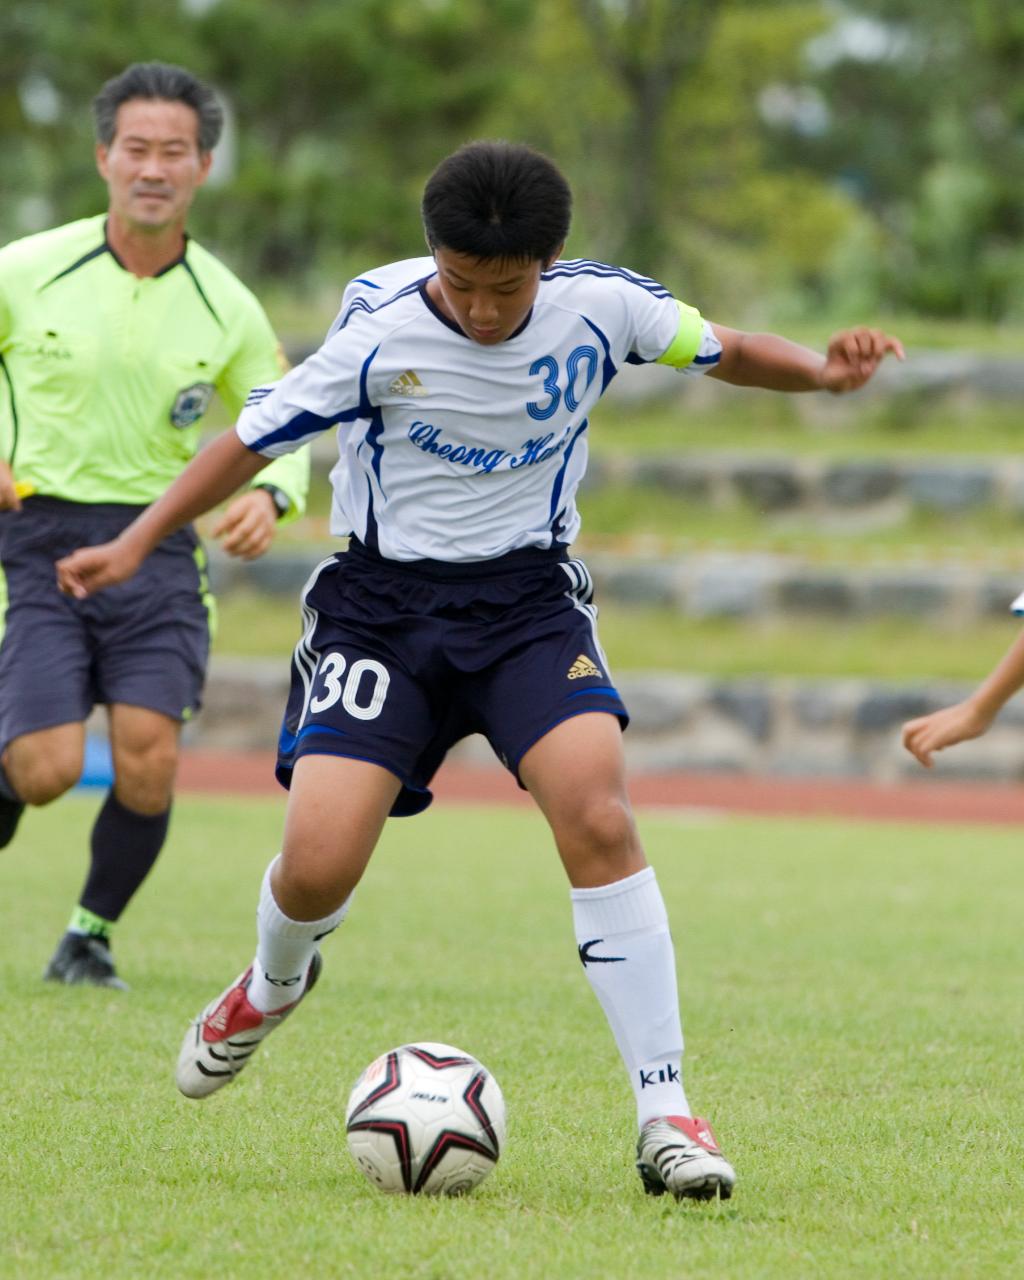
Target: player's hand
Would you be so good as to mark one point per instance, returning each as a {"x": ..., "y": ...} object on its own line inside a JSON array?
[
  {"x": 944, "y": 728},
  {"x": 246, "y": 529},
  {"x": 10, "y": 499},
  {"x": 853, "y": 356},
  {"x": 90, "y": 569}
]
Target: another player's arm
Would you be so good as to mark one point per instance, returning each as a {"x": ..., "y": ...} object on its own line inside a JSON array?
[
  {"x": 213, "y": 475},
  {"x": 972, "y": 717},
  {"x": 765, "y": 360}
]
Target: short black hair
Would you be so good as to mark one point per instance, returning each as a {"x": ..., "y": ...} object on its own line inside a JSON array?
[
  {"x": 164, "y": 82},
  {"x": 497, "y": 200}
]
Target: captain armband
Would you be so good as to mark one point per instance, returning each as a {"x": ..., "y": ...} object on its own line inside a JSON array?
[{"x": 685, "y": 345}]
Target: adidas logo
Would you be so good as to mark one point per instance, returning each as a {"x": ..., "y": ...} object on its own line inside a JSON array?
[
  {"x": 218, "y": 1020},
  {"x": 407, "y": 384},
  {"x": 582, "y": 668}
]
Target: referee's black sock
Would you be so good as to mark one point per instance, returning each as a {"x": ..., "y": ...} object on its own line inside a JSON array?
[{"x": 124, "y": 845}]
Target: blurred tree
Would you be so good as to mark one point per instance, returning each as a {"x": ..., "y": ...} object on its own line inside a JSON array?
[
  {"x": 807, "y": 152},
  {"x": 654, "y": 106},
  {"x": 343, "y": 112},
  {"x": 53, "y": 59},
  {"x": 652, "y": 48},
  {"x": 926, "y": 128}
]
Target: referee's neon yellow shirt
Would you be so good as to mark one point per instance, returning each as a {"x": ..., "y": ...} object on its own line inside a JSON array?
[{"x": 105, "y": 377}]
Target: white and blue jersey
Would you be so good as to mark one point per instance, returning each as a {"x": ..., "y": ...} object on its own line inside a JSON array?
[{"x": 458, "y": 451}]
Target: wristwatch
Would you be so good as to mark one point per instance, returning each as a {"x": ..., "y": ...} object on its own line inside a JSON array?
[{"x": 282, "y": 503}]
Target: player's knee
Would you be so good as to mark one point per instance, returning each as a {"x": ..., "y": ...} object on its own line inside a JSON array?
[
  {"x": 145, "y": 779},
  {"x": 603, "y": 830},
  {"x": 43, "y": 778},
  {"x": 308, "y": 889}
]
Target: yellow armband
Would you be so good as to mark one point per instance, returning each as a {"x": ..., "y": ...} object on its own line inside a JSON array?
[{"x": 685, "y": 345}]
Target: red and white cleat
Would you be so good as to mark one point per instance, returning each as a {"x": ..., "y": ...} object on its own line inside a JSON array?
[
  {"x": 680, "y": 1154},
  {"x": 223, "y": 1038}
]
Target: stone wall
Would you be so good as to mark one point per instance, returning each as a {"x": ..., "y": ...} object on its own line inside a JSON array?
[
  {"x": 868, "y": 490},
  {"x": 784, "y": 727},
  {"x": 721, "y": 583},
  {"x": 759, "y": 585}
]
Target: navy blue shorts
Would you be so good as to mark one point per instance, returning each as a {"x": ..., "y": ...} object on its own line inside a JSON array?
[
  {"x": 144, "y": 643},
  {"x": 399, "y": 661}
]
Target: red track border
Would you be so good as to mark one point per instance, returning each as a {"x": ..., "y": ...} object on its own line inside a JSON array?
[{"x": 930, "y": 800}]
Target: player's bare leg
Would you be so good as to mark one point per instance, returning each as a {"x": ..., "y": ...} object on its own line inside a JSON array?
[
  {"x": 577, "y": 775},
  {"x": 336, "y": 810}
]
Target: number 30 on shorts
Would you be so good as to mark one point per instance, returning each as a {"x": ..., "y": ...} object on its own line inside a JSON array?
[{"x": 362, "y": 690}]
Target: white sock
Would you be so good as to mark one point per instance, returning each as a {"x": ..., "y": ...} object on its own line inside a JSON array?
[
  {"x": 626, "y": 948},
  {"x": 284, "y": 949}
]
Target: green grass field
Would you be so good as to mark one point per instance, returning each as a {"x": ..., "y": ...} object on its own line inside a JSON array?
[{"x": 852, "y": 997}]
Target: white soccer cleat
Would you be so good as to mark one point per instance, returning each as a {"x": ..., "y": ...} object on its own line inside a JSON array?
[
  {"x": 680, "y": 1154},
  {"x": 223, "y": 1038}
]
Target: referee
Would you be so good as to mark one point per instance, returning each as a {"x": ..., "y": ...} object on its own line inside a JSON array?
[{"x": 115, "y": 333}]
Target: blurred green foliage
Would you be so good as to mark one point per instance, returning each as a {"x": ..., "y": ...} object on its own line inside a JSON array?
[
  {"x": 784, "y": 158},
  {"x": 926, "y": 130}
]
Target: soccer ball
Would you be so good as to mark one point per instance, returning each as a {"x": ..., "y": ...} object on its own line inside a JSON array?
[{"x": 426, "y": 1119}]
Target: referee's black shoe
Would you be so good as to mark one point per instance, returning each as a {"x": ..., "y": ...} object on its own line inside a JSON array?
[
  {"x": 81, "y": 960},
  {"x": 10, "y": 816}
]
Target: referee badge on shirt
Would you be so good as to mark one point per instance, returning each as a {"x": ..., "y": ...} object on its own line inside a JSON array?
[{"x": 191, "y": 403}]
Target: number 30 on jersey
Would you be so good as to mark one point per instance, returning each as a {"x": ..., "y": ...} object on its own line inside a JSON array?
[
  {"x": 362, "y": 687},
  {"x": 581, "y": 359}
]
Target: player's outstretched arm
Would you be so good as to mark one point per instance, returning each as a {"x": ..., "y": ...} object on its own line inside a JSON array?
[
  {"x": 968, "y": 719},
  {"x": 765, "y": 360},
  {"x": 212, "y": 475}
]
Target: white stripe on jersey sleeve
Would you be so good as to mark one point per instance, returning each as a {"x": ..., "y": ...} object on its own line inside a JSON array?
[
  {"x": 326, "y": 389},
  {"x": 373, "y": 289},
  {"x": 329, "y": 387}
]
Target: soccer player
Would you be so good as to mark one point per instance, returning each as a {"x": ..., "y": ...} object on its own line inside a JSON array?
[
  {"x": 461, "y": 383},
  {"x": 115, "y": 332}
]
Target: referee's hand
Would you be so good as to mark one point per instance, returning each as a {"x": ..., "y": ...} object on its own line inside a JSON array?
[
  {"x": 10, "y": 499},
  {"x": 246, "y": 529}
]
